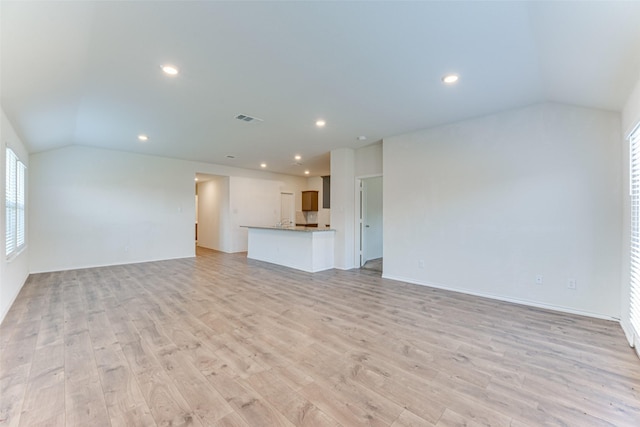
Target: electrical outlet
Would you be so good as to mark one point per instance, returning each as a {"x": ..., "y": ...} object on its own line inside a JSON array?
[
  {"x": 539, "y": 279},
  {"x": 571, "y": 284},
  {"x": 421, "y": 264}
]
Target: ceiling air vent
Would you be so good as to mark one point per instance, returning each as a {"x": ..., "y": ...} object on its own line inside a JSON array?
[{"x": 248, "y": 119}]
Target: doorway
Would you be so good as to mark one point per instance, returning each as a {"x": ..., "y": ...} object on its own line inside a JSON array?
[
  {"x": 370, "y": 223},
  {"x": 212, "y": 212}
]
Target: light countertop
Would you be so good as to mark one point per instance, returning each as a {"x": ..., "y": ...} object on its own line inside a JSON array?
[{"x": 290, "y": 228}]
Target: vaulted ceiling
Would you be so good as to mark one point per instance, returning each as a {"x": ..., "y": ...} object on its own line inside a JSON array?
[{"x": 89, "y": 73}]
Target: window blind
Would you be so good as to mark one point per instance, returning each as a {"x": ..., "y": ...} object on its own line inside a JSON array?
[
  {"x": 20, "y": 191},
  {"x": 15, "y": 204},
  {"x": 634, "y": 174}
]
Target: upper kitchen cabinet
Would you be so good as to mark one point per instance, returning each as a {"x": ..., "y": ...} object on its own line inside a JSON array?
[{"x": 309, "y": 201}]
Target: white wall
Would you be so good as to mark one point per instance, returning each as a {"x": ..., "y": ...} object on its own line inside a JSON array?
[
  {"x": 92, "y": 207},
  {"x": 343, "y": 206},
  {"x": 13, "y": 273},
  {"x": 630, "y": 119},
  {"x": 95, "y": 207},
  {"x": 255, "y": 202},
  {"x": 368, "y": 160},
  {"x": 631, "y": 111},
  {"x": 214, "y": 230},
  {"x": 483, "y": 206}
]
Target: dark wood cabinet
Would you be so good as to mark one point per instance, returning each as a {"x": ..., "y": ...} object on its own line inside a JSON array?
[{"x": 309, "y": 201}]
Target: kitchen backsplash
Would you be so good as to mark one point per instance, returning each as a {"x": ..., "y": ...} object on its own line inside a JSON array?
[
  {"x": 311, "y": 217},
  {"x": 321, "y": 218}
]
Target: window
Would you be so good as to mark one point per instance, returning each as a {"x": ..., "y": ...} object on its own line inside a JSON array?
[
  {"x": 634, "y": 173},
  {"x": 326, "y": 192},
  {"x": 15, "y": 197}
]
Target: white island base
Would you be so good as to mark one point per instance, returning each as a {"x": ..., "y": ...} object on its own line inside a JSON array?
[{"x": 302, "y": 248}]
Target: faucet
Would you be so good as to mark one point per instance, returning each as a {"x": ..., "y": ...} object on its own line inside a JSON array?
[{"x": 284, "y": 223}]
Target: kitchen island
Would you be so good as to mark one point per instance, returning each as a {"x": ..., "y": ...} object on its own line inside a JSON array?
[{"x": 303, "y": 248}]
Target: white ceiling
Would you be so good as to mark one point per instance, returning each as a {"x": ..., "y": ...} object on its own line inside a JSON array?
[{"x": 88, "y": 73}]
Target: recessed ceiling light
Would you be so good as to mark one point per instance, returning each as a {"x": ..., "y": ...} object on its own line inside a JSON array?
[
  {"x": 320, "y": 123},
  {"x": 263, "y": 165},
  {"x": 306, "y": 172},
  {"x": 143, "y": 137},
  {"x": 362, "y": 138},
  {"x": 169, "y": 69},
  {"x": 450, "y": 78},
  {"x": 298, "y": 157}
]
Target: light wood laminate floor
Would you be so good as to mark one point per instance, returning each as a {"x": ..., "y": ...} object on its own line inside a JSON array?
[{"x": 224, "y": 341}]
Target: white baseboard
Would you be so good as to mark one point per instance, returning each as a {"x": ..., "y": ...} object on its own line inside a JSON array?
[
  {"x": 628, "y": 332},
  {"x": 13, "y": 299},
  {"x": 503, "y": 298}
]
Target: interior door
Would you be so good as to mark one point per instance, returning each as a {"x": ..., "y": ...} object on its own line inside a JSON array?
[
  {"x": 361, "y": 222},
  {"x": 371, "y": 218},
  {"x": 287, "y": 209}
]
